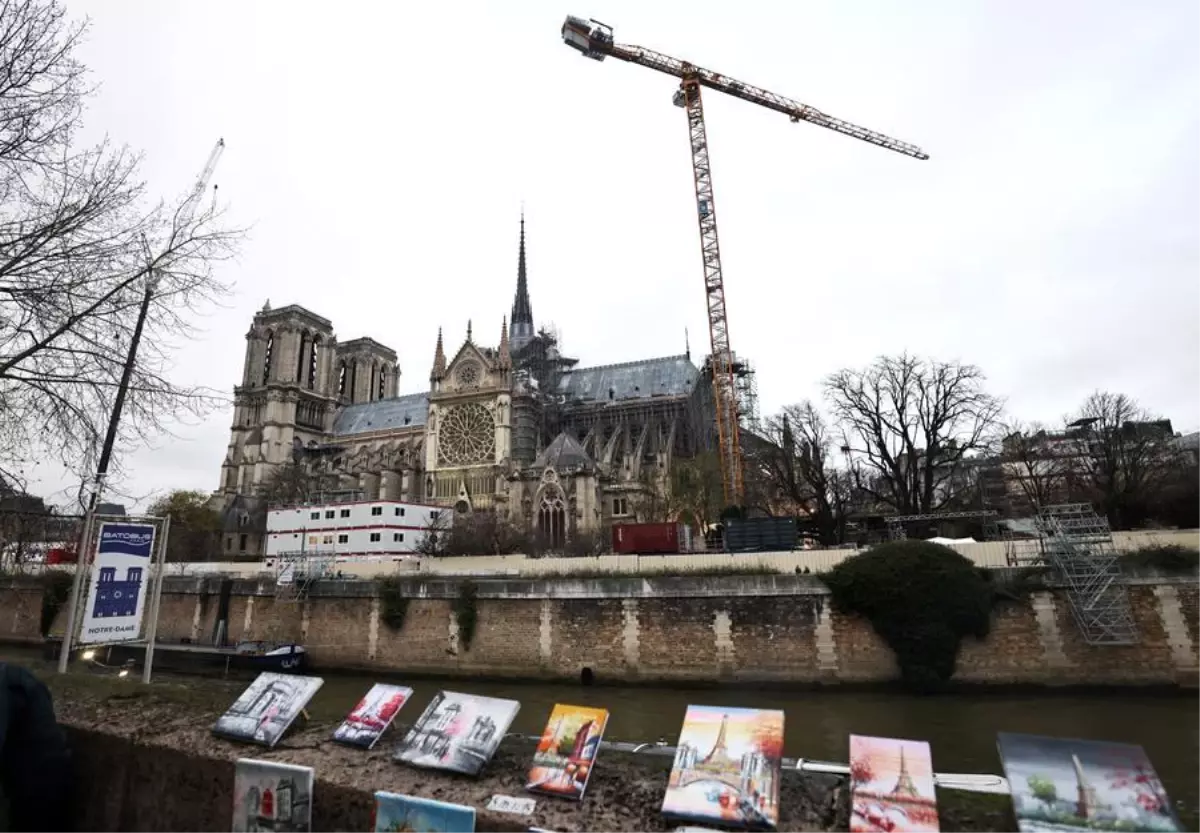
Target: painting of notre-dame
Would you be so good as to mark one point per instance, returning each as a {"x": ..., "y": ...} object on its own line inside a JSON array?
[
  {"x": 267, "y": 707},
  {"x": 458, "y": 732}
]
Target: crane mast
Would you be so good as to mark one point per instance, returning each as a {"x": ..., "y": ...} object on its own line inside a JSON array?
[
  {"x": 595, "y": 40},
  {"x": 188, "y": 209}
]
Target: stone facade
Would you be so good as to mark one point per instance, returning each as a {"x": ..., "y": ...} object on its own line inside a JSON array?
[
  {"x": 749, "y": 629},
  {"x": 516, "y": 428}
]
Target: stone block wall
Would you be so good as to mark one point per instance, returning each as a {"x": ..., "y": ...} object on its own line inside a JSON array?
[{"x": 748, "y": 629}]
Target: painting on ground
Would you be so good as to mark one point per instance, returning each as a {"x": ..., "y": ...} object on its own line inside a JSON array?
[
  {"x": 458, "y": 732},
  {"x": 891, "y": 784},
  {"x": 1064, "y": 784},
  {"x": 271, "y": 796},
  {"x": 394, "y": 813},
  {"x": 373, "y": 714},
  {"x": 267, "y": 707},
  {"x": 563, "y": 761},
  {"x": 726, "y": 767}
]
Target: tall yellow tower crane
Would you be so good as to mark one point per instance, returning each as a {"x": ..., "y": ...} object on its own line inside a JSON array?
[{"x": 595, "y": 40}]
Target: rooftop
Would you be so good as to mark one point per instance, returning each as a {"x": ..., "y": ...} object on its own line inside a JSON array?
[
  {"x": 667, "y": 376},
  {"x": 383, "y": 415}
]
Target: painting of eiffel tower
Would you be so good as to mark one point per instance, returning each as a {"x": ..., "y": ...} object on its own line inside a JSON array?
[
  {"x": 891, "y": 786},
  {"x": 726, "y": 767}
]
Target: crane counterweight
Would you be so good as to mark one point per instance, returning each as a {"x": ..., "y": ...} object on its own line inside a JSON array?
[{"x": 595, "y": 40}]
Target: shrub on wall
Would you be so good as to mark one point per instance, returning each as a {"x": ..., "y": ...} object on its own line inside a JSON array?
[
  {"x": 393, "y": 604},
  {"x": 922, "y": 598},
  {"x": 56, "y": 590},
  {"x": 465, "y": 613},
  {"x": 1170, "y": 558}
]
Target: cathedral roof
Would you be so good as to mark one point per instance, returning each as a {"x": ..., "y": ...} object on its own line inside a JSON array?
[
  {"x": 669, "y": 376},
  {"x": 564, "y": 452},
  {"x": 383, "y": 415}
]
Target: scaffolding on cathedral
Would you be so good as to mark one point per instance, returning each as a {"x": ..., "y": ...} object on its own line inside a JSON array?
[
  {"x": 745, "y": 387},
  {"x": 296, "y": 572},
  {"x": 1078, "y": 544}
]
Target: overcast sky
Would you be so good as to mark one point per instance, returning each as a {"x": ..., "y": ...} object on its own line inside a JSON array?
[{"x": 382, "y": 152}]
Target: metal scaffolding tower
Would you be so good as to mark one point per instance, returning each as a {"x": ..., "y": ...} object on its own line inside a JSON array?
[
  {"x": 297, "y": 572},
  {"x": 898, "y": 531},
  {"x": 1078, "y": 544}
]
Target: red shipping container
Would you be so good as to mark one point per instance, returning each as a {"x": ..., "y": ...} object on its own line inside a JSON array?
[
  {"x": 648, "y": 539},
  {"x": 59, "y": 555}
]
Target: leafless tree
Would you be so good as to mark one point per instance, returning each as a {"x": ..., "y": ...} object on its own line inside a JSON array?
[
  {"x": 1127, "y": 454},
  {"x": 79, "y": 242},
  {"x": 909, "y": 424},
  {"x": 1040, "y": 462},
  {"x": 297, "y": 481},
  {"x": 798, "y": 462}
]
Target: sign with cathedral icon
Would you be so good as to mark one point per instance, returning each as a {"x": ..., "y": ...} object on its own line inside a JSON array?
[
  {"x": 726, "y": 767},
  {"x": 120, "y": 576},
  {"x": 269, "y": 795},
  {"x": 891, "y": 786},
  {"x": 458, "y": 732},
  {"x": 1065, "y": 784}
]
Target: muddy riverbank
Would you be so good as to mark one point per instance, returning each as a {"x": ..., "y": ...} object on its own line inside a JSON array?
[{"x": 146, "y": 760}]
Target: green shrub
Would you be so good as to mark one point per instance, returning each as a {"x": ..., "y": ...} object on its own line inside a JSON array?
[
  {"x": 922, "y": 598},
  {"x": 465, "y": 613},
  {"x": 393, "y": 604},
  {"x": 56, "y": 590},
  {"x": 1173, "y": 558}
]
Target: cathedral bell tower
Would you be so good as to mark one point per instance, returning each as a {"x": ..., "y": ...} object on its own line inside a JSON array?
[{"x": 287, "y": 394}]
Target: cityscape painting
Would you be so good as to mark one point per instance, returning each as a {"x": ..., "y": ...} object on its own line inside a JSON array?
[
  {"x": 726, "y": 767},
  {"x": 891, "y": 786},
  {"x": 1064, "y": 784},
  {"x": 564, "y": 757},
  {"x": 458, "y": 732},
  {"x": 271, "y": 796},
  {"x": 266, "y": 709},
  {"x": 370, "y": 718},
  {"x": 395, "y": 813}
]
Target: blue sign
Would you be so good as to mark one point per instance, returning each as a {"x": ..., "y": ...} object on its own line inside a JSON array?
[
  {"x": 117, "y": 595},
  {"x": 127, "y": 539}
]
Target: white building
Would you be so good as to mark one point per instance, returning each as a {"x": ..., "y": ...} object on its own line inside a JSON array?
[{"x": 361, "y": 528}]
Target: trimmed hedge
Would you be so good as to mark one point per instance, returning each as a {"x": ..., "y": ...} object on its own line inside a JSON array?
[{"x": 922, "y": 598}]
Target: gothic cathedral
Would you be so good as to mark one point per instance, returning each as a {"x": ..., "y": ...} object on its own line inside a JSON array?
[{"x": 515, "y": 428}]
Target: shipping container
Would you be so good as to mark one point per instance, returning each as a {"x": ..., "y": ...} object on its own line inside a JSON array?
[
  {"x": 651, "y": 539},
  {"x": 760, "y": 535}
]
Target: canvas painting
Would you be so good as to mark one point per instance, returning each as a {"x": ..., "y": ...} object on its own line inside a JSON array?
[
  {"x": 726, "y": 767},
  {"x": 373, "y": 714},
  {"x": 271, "y": 796},
  {"x": 1063, "y": 784},
  {"x": 564, "y": 757},
  {"x": 266, "y": 709},
  {"x": 891, "y": 786},
  {"x": 422, "y": 815},
  {"x": 458, "y": 732}
]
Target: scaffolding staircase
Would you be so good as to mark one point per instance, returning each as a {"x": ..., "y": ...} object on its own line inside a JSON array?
[
  {"x": 297, "y": 572},
  {"x": 1078, "y": 544}
]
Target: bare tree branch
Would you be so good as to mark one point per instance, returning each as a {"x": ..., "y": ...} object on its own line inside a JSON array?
[
  {"x": 79, "y": 243},
  {"x": 909, "y": 425}
]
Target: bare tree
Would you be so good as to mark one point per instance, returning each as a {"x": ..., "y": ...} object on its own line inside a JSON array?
[
  {"x": 1040, "y": 462},
  {"x": 798, "y": 463},
  {"x": 1127, "y": 455},
  {"x": 909, "y": 424},
  {"x": 79, "y": 244},
  {"x": 297, "y": 481}
]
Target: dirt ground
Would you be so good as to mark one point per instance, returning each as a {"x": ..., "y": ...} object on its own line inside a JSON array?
[{"x": 147, "y": 742}]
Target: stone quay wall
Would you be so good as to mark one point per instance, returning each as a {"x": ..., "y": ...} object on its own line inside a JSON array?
[{"x": 748, "y": 629}]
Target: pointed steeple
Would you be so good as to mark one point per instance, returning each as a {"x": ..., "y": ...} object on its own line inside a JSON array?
[
  {"x": 468, "y": 329},
  {"x": 522, "y": 309},
  {"x": 505, "y": 357},
  {"x": 439, "y": 361}
]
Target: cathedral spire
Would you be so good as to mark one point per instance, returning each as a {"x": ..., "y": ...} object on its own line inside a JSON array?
[
  {"x": 505, "y": 357},
  {"x": 522, "y": 309},
  {"x": 439, "y": 360}
]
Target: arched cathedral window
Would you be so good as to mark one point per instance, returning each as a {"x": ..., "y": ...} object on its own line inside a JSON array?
[
  {"x": 552, "y": 518},
  {"x": 341, "y": 380},
  {"x": 312, "y": 362},
  {"x": 301, "y": 354},
  {"x": 267, "y": 355},
  {"x": 382, "y": 381}
]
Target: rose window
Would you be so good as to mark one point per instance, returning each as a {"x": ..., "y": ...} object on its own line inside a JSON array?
[
  {"x": 468, "y": 374},
  {"x": 467, "y": 435}
]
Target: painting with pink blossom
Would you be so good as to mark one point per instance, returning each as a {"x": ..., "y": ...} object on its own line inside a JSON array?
[
  {"x": 458, "y": 732},
  {"x": 1065, "y": 784},
  {"x": 891, "y": 786}
]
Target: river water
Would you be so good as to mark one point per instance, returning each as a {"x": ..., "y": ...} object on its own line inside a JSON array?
[{"x": 961, "y": 728}]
